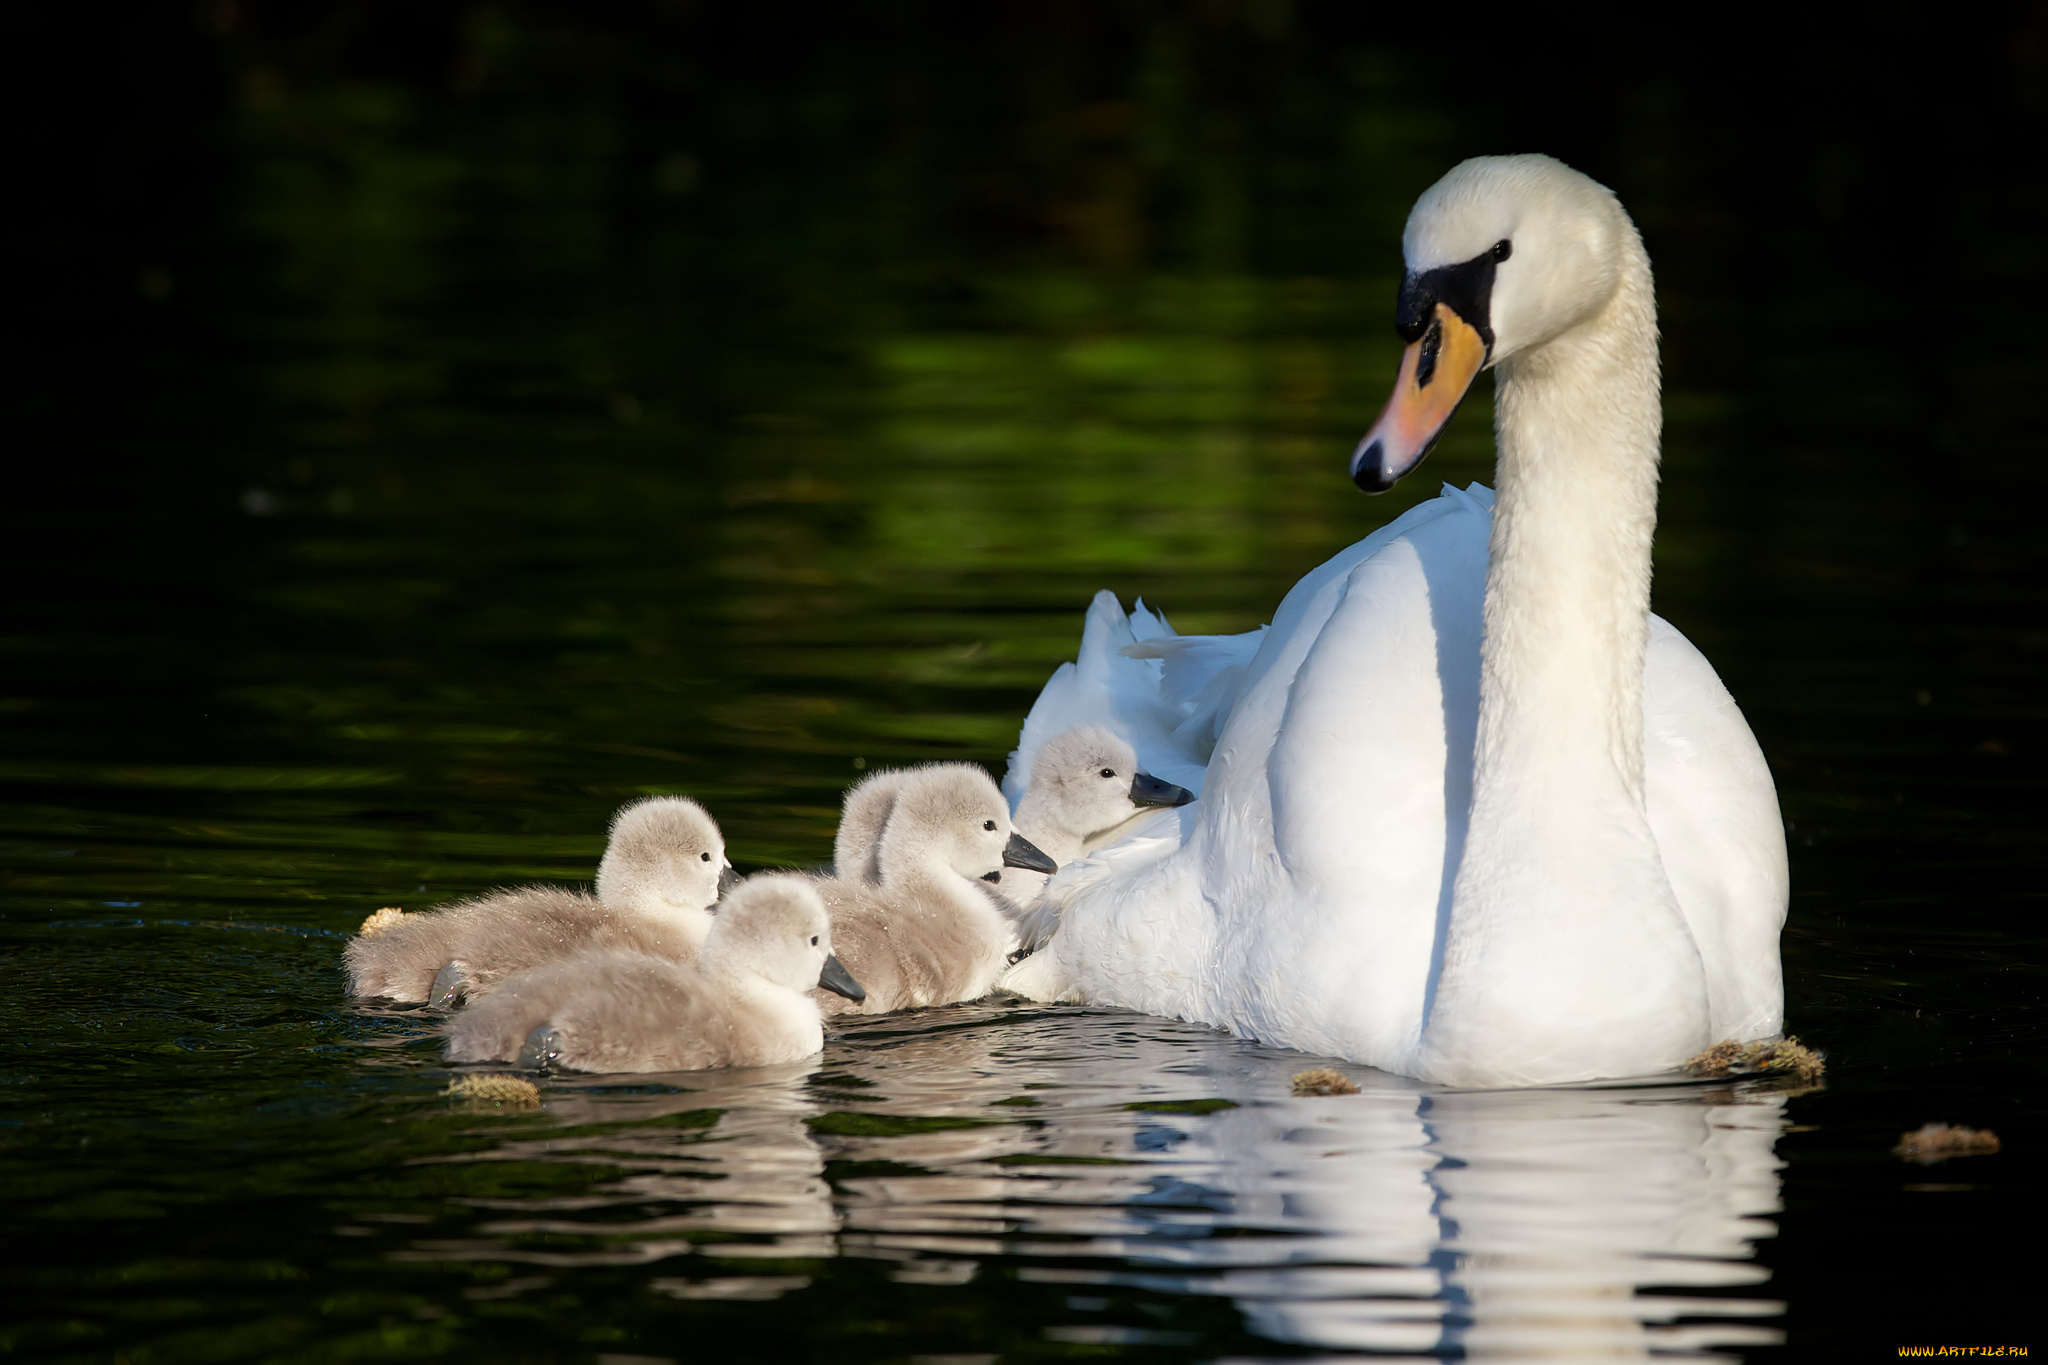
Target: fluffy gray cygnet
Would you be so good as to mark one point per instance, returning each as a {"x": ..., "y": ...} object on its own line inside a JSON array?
[
  {"x": 662, "y": 871},
  {"x": 742, "y": 1003},
  {"x": 1085, "y": 785},
  {"x": 924, "y": 928}
]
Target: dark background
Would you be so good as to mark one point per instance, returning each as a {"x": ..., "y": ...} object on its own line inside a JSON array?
[{"x": 505, "y": 408}]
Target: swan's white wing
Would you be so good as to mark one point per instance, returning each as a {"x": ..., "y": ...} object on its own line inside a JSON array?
[
  {"x": 1714, "y": 810},
  {"x": 1368, "y": 791},
  {"x": 1171, "y": 695},
  {"x": 1302, "y": 906}
]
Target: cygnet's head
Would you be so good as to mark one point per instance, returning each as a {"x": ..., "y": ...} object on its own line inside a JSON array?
[
  {"x": 952, "y": 816},
  {"x": 1087, "y": 780},
  {"x": 862, "y": 816},
  {"x": 665, "y": 855},
  {"x": 776, "y": 927},
  {"x": 1504, "y": 254}
]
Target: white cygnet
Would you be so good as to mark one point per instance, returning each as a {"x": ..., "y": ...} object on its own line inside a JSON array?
[
  {"x": 926, "y": 930},
  {"x": 665, "y": 861},
  {"x": 662, "y": 871},
  {"x": 1085, "y": 786},
  {"x": 742, "y": 1003}
]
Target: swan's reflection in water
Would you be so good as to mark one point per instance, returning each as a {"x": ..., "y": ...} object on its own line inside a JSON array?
[{"x": 1110, "y": 1152}]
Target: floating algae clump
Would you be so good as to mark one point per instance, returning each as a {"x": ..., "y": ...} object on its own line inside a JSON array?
[
  {"x": 380, "y": 921},
  {"x": 1785, "y": 1056},
  {"x": 1716, "y": 1060},
  {"x": 1939, "y": 1141},
  {"x": 496, "y": 1089},
  {"x": 1323, "y": 1081}
]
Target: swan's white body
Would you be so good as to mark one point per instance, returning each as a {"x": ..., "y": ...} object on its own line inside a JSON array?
[{"x": 1473, "y": 814}]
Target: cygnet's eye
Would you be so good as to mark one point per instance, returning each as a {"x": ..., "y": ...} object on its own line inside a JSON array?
[
  {"x": 705, "y": 856},
  {"x": 814, "y": 940},
  {"x": 1109, "y": 772},
  {"x": 1503, "y": 249},
  {"x": 988, "y": 824}
]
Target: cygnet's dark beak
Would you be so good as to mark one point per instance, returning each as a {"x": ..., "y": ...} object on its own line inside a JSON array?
[
  {"x": 1021, "y": 852},
  {"x": 1147, "y": 790},
  {"x": 542, "y": 1049},
  {"x": 836, "y": 979},
  {"x": 727, "y": 880}
]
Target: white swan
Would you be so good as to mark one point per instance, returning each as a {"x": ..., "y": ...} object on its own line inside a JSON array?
[{"x": 1474, "y": 814}]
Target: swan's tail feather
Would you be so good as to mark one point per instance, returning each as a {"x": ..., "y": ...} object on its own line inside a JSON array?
[
  {"x": 1147, "y": 624},
  {"x": 1189, "y": 664}
]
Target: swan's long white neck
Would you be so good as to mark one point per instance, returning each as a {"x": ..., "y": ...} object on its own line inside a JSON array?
[
  {"x": 1577, "y": 422},
  {"x": 1566, "y": 956}
]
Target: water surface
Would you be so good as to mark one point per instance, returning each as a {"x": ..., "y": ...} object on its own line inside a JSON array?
[{"x": 488, "y": 423}]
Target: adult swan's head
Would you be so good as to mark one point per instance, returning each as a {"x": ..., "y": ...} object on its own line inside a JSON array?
[{"x": 1505, "y": 254}]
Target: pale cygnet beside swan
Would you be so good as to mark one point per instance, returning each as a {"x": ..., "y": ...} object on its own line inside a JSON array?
[
  {"x": 1474, "y": 814},
  {"x": 927, "y": 930},
  {"x": 1086, "y": 789},
  {"x": 742, "y": 1003},
  {"x": 662, "y": 870}
]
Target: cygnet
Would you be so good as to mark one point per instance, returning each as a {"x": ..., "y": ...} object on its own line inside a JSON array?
[
  {"x": 663, "y": 869},
  {"x": 1085, "y": 787},
  {"x": 926, "y": 930},
  {"x": 742, "y": 1003}
]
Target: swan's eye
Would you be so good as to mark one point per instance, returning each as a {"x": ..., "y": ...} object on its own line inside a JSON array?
[
  {"x": 988, "y": 824},
  {"x": 814, "y": 940},
  {"x": 1503, "y": 249},
  {"x": 705, "y": 856},
  {"x": 1109, "y": 772}
]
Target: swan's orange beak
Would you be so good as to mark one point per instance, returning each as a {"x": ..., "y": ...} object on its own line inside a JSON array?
[{"x": 1435, "y": 372}]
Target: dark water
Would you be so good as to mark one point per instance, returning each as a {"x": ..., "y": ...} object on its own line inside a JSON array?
[{"x": 444, "y": 423}]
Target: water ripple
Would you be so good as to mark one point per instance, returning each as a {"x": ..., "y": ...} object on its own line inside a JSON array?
[{"x": 1095, "y": 1150}]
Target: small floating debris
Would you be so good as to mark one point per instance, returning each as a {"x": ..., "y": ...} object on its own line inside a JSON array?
[
  {"x": 1716, "y": 1060},
  {"x": 1322, "y": 1080},
  {"x": 382, "y": 920},
  {"x": 495, "y": 1088},
  {"x": 1791, "y": 1056},
  {"x": 1785, "y": 1056},
  {"x": 1939, "y": 1141}
]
